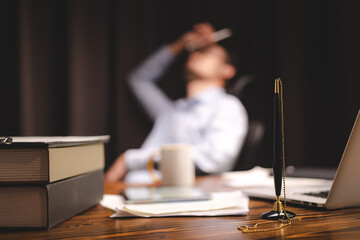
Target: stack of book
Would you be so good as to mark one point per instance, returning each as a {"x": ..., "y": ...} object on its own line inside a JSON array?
[{"x": 47, "y": 180}]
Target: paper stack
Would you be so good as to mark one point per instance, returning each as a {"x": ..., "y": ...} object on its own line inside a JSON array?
[{"x": 220, "y": 204}]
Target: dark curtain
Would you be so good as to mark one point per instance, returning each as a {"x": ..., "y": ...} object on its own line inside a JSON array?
[{"x": 64, "y": 66}]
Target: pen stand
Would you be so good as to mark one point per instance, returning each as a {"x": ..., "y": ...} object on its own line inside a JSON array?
[{"x": 278, "y": 212}]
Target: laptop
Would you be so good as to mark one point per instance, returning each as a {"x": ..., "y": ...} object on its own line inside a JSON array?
[{"x": 341, "y": 192}]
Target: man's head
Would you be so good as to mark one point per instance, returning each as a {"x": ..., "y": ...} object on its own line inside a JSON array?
[{"x": 209, "y": 63}]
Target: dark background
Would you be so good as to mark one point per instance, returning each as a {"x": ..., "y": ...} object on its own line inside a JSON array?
[{"x": 64, "y": 66}]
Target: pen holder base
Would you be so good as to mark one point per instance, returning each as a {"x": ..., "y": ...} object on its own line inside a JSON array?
[{"x": 274, "y": 215}]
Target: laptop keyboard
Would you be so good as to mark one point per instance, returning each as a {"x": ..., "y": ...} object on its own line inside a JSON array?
[{"x": 322, "y": 194}]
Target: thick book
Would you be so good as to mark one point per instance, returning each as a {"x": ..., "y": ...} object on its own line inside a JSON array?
[
  {"x": 48, "y": 159},
  {"x": 45, "y": 206}
]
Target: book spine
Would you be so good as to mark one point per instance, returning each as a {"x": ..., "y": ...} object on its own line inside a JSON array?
[
  {"x": 39, "y": 166},
  {"x": 72, "y": 196},
  {"x": 23, "y": 207}
]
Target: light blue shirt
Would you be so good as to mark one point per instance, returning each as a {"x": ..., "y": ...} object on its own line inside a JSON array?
[{"x": 213, "y": 122}]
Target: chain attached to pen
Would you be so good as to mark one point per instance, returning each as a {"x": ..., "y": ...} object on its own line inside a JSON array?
[{"x": 286, "y": 220}]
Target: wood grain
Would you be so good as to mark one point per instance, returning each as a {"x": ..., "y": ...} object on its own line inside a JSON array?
[{"x": 96, "y": 224}]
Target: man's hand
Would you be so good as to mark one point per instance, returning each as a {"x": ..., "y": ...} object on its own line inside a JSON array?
[
  {"x": 199, "y": 36},
  {"x": 117, "y": 170}
]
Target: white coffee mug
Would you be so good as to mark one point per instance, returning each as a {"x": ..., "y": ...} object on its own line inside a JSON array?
[{"x": 176, "y": 165}]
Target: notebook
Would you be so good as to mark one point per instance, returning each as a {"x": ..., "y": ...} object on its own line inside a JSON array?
[{"x": 332, "y": 194}]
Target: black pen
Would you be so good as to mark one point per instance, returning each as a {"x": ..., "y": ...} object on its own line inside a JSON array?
[
  {"x": 278, "y": 211},
  {"x": 277, "y": 141}
]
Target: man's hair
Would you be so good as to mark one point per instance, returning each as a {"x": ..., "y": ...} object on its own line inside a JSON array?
[{"x": 229, "y": 57}]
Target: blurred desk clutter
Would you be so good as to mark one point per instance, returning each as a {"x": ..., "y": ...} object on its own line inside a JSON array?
[
  {"x": 96, "y": 223},
  {"x": 47, "y": 180}
]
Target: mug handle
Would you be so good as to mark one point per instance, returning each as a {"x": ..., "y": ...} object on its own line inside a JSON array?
[{"x": 150, "y": 168}]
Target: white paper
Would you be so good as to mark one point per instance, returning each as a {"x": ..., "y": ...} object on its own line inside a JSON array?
[
  {"x": 221, "y": 204},
  {"x": 112, "y": 201},
  {"x": 257, "y": 176},
  {"x": 260, "y": 177},
  {"x": 65, "y": 139}
]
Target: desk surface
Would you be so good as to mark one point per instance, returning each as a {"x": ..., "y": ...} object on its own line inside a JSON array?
[{"x": 96, "y": 224}]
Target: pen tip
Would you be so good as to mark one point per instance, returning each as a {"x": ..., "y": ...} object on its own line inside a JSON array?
[{"x": 277, "y": 85}]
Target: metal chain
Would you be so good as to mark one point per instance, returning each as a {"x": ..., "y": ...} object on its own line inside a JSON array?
[
  {"x": 247, "y": 229},
  {"x": 285, "y": 221},
  {"x": 283, "y": 145}
]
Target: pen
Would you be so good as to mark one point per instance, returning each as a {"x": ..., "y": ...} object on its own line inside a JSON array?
[
  {"x": 279, "y": 211},
  {"x": 216, "y": 36},
  {"x": 277, "y": 143}
]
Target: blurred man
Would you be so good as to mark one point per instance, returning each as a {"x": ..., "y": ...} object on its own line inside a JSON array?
[{"x": 212, "y": 121}]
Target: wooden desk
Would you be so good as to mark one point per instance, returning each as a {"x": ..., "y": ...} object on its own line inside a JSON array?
[{"x": 96, "y": 224}]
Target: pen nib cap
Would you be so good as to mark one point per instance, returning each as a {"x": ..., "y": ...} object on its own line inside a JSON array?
[{"x": 277, "y": 85}]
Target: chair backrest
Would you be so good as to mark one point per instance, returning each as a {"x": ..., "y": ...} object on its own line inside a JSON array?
[
  {"x": 254, "y": 137},
  {"x": 238, "y": 88},
  {"x": 245, "y": 86}
]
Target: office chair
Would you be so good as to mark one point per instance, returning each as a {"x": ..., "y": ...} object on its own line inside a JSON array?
[
  {"x": 246, "y": 86},
  {"x": 254, "y": 137}
]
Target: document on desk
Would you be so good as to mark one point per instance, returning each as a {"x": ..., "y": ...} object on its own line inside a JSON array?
[
  {"x": 221, "y": 204},
  {"x": 256, "y": 176},
  {"x": 260, "y": 177}
]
